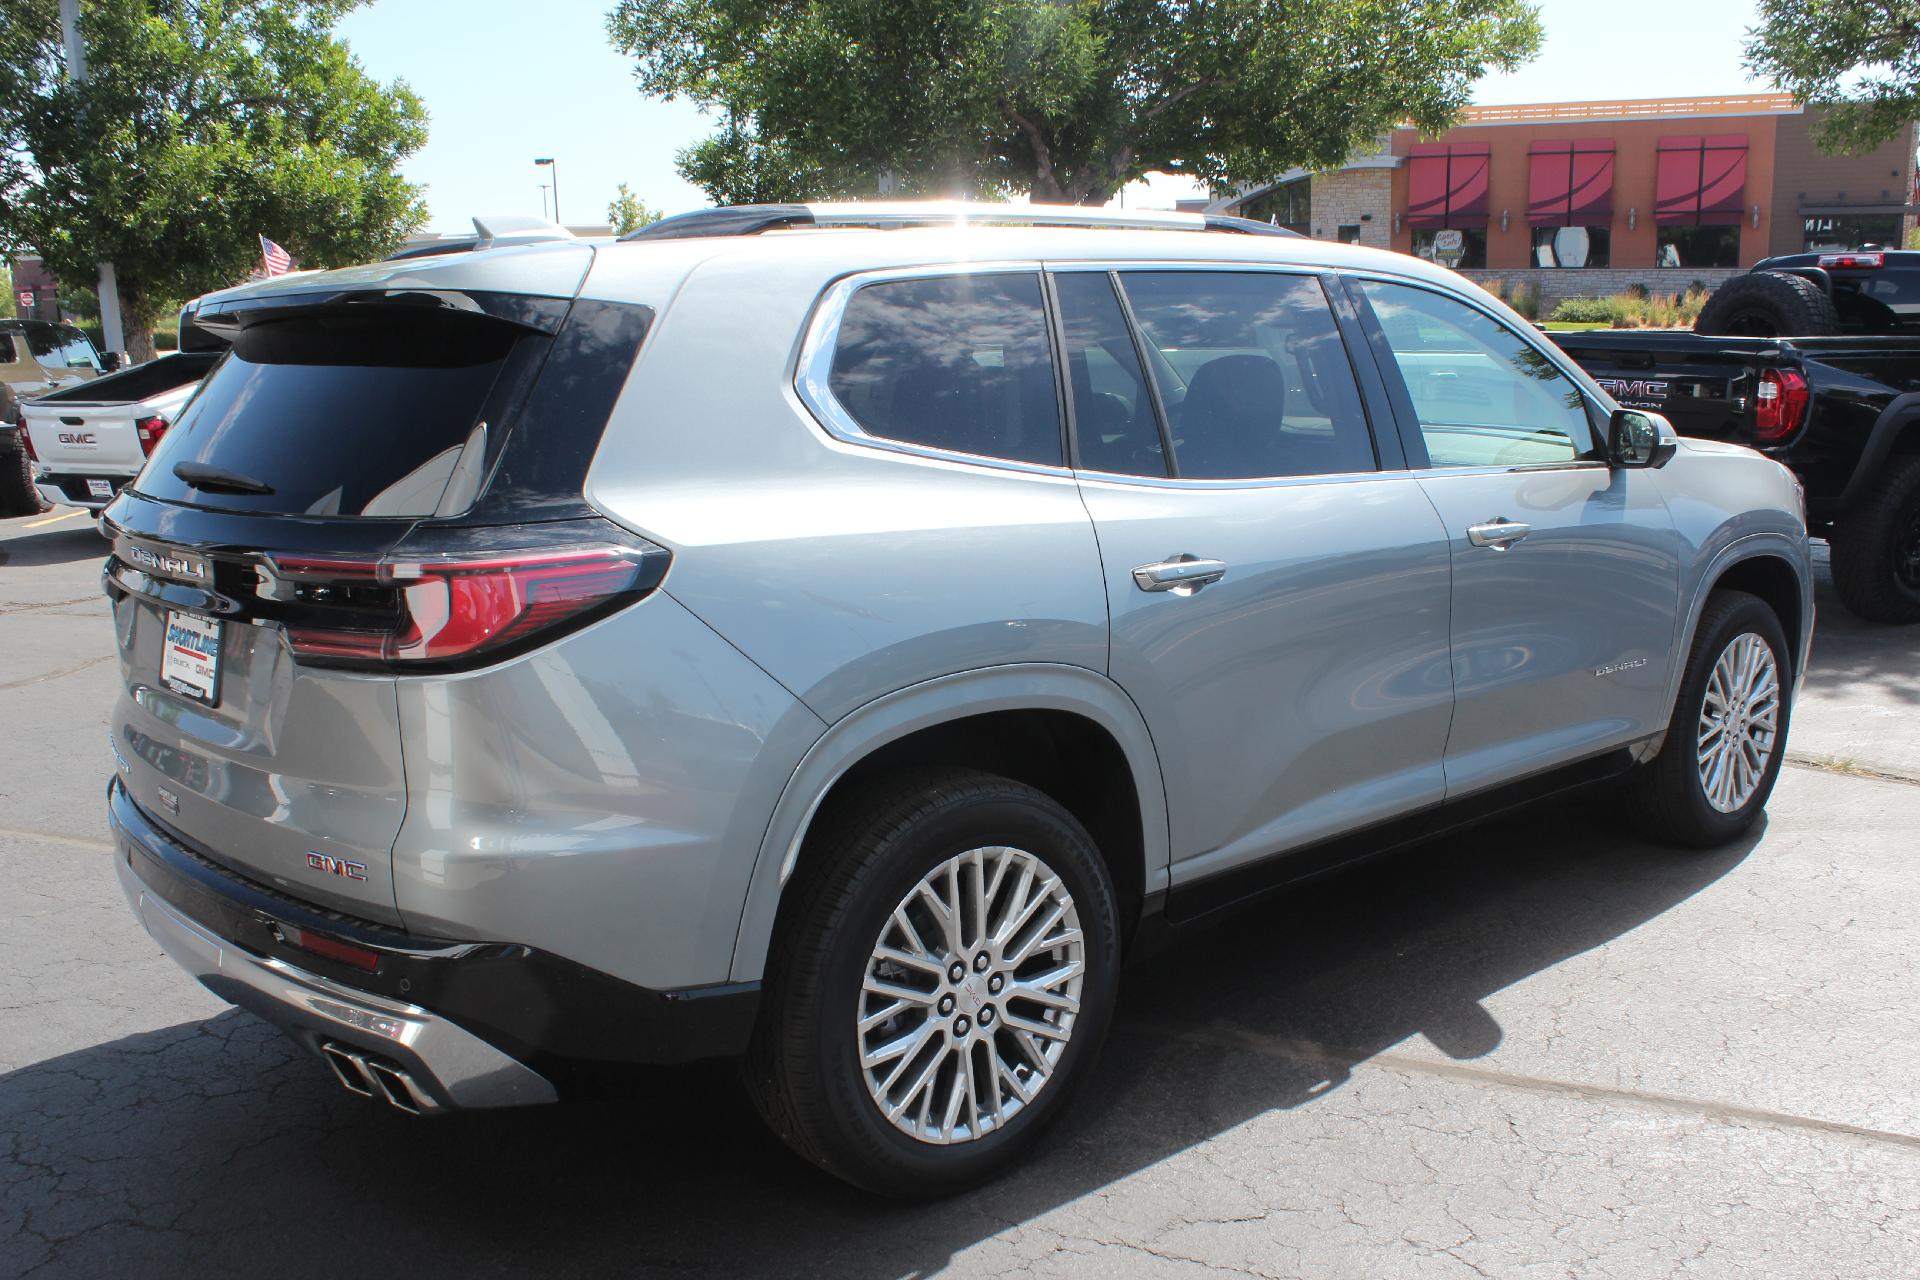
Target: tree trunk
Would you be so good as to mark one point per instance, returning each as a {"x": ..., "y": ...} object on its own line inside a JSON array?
[{"x": 136, "y": 316}]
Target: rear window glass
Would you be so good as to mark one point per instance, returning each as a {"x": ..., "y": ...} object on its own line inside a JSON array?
[
  {"x": 61, "y": 346},
  {"x": 951, "y": 362},
  {"x": 362, "y": 415}
]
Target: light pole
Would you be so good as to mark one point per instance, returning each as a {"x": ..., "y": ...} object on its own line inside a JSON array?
[
  {"x": 110, "y": 327},
  {"x": 548, "y": 162}
]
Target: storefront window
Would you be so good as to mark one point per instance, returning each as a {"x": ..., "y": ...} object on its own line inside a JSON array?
[
  {"x": 1287, "y": 205},
  {"x": 1852, "y": 231},
  {"x": 1571, "y": 246},
  {"x": 1682, "y": 246},
  {"x": 1454, "y": 247}
]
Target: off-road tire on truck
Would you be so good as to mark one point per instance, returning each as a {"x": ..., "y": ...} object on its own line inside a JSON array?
[
  {"x": 1876, "y": 547},
  {"x": 18, "y": 497},
  {"x": 1768, "y": 304}
]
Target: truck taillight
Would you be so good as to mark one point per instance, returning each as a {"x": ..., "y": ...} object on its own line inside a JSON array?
[
  {"x": 456, "y": 608},
  {"x": 150, "y": 430},
  {"x": 26, "y": 441},
  {"x": 1779, "y": 402},
  {"x": 1854, "y": 261}
]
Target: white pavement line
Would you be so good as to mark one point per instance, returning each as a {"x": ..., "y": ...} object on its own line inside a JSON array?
[
  {"x": 78, "y": 842},
  {"x": 1847, "y": 767},
  {"x": 1307, "y": 1051}
]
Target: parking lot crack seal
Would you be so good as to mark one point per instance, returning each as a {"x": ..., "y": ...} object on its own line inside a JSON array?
[{"x": 1847, "y": 767}]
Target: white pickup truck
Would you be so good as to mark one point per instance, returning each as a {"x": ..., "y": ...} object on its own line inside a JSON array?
[{"x": 87, "y": 441}]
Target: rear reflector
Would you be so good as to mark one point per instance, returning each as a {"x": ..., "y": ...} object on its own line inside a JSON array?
[
  {"x": 320, "y": 944},
  {"x": 1779, "y": 403},
  {"x": 454, "y": 608},
  {"x": 1869, "y": 261},
  {"x": 150, "y": 430},
  {"x": 26, "y": 441}
]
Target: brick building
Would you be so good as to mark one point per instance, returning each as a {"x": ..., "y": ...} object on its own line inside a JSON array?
[{"x": 1586, "y": 198}]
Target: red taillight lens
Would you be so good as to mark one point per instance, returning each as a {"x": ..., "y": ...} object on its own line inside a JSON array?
[
  {"x": 1779, "y": 403},
  {"x": 457, "y": 607},
  {"x": 26, "y": 441},
  {"x": 1856, "y": 261},
  {"x": 150, "y": 431}
]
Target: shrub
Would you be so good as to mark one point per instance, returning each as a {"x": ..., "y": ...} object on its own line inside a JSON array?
[
  {"x": 1523, "y": 297},
  {"x": 166, "y": 339},
  {"x": 1638, "y": 292},
  {"x": 1587, "y": 311},
  {"x": 1643, "y": 309}
]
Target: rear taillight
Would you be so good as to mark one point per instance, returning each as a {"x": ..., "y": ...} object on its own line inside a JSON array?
[
  {"x": 26, "y": 441},
  {"x": 1779, "y": 402},
  {"x": 150, "y": 430},
  {"x": 452, "y": 609},
  {"x": 1854, "y": 261}
]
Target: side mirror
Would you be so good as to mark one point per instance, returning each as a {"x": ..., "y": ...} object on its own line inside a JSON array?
[
  {"x": 113, "y": 361},
  {"x": 1636, "y": 438}
]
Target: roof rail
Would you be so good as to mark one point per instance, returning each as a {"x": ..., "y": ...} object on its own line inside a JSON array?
[{"x": 752, "y": 219}]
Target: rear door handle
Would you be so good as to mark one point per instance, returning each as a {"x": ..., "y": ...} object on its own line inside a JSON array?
[
  {"x": 1182, "y": 574},
  {"x": 1497, "y": 534}
]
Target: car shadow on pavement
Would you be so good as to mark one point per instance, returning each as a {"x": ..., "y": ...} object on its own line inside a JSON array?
[
  {"x": 77, "y": 540},
  {"x": 207, "y": 1147}
]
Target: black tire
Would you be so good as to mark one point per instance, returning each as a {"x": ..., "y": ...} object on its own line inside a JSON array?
[
  {"x": 803, "y": 1069},
  {"x": 18, "y": 497},
  {"x": 1669, "y": 801},
  {"x": 1768, "y": 304},
  {"x": 1876, "y": 547}
]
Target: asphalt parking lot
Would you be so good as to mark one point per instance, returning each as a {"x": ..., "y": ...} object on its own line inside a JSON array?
[{"x": 1540, "y": 1049}]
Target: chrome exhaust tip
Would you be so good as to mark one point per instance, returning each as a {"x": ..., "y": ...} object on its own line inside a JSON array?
[
  {"x": 350, "y": 1069},
  {"x": 373, "y": 1077}
]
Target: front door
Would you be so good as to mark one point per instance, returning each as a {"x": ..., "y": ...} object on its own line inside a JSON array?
[
  {"x": 1278, "y": 600},
  {"x": 1566, "y": 571}
]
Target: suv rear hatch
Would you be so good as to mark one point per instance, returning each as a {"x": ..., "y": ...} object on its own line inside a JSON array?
[{"x": 374, "y": 485}]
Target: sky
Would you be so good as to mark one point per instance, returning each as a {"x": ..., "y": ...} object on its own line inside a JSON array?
[{"x": 511, "y": 81}]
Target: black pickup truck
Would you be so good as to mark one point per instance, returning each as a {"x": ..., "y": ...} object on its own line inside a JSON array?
[{"x": 1841, "y": 410}]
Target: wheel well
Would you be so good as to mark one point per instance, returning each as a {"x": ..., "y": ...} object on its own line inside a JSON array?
[
  {"x": 1773, "y": 580},
  {"x": 1069, "y": 757}
]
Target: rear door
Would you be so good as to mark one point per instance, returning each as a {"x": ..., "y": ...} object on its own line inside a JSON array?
[
  {"x": 1565, "y": 570},
  {"x": 314, "y": 447},
  {"x": 1278, "y": 594}
]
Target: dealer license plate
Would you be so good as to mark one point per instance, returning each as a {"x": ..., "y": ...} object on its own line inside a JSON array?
[{"x": 190, "y": 663}]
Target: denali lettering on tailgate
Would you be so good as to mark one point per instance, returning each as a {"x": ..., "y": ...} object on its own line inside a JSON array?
[{"x": 177, "y": 566}]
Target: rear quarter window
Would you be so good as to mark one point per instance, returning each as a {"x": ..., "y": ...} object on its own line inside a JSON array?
[{"x": 959, "y": 363}]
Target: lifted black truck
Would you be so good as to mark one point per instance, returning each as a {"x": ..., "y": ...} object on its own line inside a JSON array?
[{"x": 1843, "y": 412}]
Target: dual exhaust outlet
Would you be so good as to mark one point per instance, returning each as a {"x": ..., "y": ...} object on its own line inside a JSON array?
[{"x": 371, "y": 1076}]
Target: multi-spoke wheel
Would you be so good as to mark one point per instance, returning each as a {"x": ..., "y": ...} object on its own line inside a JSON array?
[
  {"x": 971, "y": 995},
  {"x": 941, "y": 981},
  {"x": 1724, "y": 745}
]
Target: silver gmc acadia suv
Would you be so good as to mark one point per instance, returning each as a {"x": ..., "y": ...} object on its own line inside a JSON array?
[{"x": 840, "y": 636}]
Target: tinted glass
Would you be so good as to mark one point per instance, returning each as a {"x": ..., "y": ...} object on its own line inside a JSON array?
[
  {"x": 1252, "y": 373},
  {"x": 1698, "y": 247},
  {"x": 74, "y": 350},
  {"x": 1482, "y": 396},
  {"x": 1113, "y": 415},
  {"x": 373, "y": 415},
  {"x": 951, "y": 362},
  {"x": 7, "y": 355}
]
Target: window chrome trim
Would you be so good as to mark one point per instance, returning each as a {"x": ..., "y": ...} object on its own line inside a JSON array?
[
  {"x": 813, "y": 368},
  {"x": 1251, "y": 482}
]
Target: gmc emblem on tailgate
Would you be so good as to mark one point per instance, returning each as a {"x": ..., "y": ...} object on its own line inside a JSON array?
[
  {"x": 1627, "y": 392},
  {"x": 77, "y": 437},
  {"x": 337, "y": 866}
]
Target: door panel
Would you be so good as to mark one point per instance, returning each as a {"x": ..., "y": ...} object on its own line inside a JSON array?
[{"x": 1306, "y": 692}]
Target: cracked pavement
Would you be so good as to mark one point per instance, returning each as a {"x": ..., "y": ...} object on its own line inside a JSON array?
[{"x": 1540, "y": 1049}]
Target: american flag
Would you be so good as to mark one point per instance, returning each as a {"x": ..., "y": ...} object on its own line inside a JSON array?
[{"x": 278, "y": 261}]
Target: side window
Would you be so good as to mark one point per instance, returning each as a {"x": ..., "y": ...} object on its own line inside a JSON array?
[
  {"x": 1113, "y": 416},
  {"x": 1482, "y": 396},
  {"x": 951, "y": 362},
  {"x": 75, "y": 351},
  {"x": 1252, "y": 374},
  {"x": 7, "y": 355}
]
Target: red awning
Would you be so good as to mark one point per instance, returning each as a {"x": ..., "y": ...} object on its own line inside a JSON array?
[
  {"x": 1701, "y": 180},
  {"x": 1447, "y": 184},
  {"x": 1549, "y": 173},
  {"x": 1590, "y": 197}
]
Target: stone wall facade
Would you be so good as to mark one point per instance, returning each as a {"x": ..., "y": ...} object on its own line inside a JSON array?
[
  {"x": 1598, "y": 282},
  {"x": 1353, "y": 197}
]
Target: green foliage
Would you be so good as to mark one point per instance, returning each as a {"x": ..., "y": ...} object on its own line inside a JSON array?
[
  {"x": 1860, "y": 59},
  {"x": 629, "y": 213},
  {"x": 1523, "y": 296},
  {"x": 1638, "y": 308},
  {"x": 1067, "y": 100},
  {"x": 200, "y": 127},
  {"x": 1913, "y": 237}
]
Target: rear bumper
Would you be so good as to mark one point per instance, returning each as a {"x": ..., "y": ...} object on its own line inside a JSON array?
[
  {"x": 468, "y": 1024},
  {"x": 72, "y": 490}
]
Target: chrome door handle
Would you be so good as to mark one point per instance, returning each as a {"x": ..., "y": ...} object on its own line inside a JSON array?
[
  {"x": 1497, "y": 534},
  {"x": 1182, "y": 574}
]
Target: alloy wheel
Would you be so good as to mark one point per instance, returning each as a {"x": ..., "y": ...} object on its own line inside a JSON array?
[
  {"x": 1739, "y": 725},
  {"x": 970, "y": 995}
]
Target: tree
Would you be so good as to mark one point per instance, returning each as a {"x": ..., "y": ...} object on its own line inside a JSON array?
[
  {"x": 201, "y": 126},
  {"x": 1067, "y": 100},
  {"x": 1859, "y": 59},
  {"x": 629, "y": 212}
]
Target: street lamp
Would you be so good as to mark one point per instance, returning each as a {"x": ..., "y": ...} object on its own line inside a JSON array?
[{"x": 548, "y": 161}]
